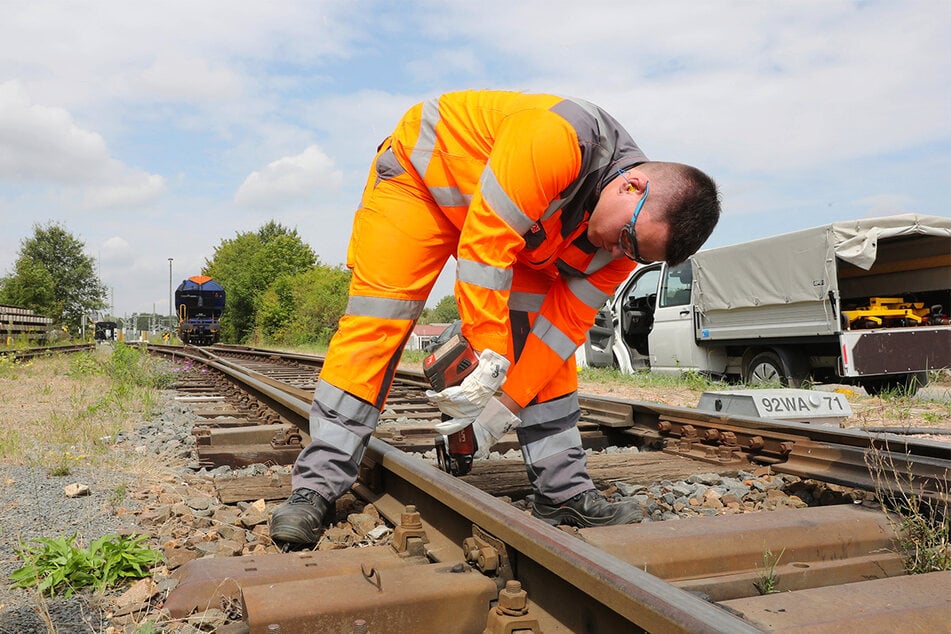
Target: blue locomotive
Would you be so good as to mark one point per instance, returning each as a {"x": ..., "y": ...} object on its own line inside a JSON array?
[{"x": 200, "y": 301}]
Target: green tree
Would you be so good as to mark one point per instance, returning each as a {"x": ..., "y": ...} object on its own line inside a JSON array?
[
  {"x": 247, "y": 265},
  {"x": 30, "y": 286},
  {"x": 444, "y": 312},
  {"x": 305, "y": 307},
  {"x": 276, "y": 307},
  {"x": 76, "y": 289}
]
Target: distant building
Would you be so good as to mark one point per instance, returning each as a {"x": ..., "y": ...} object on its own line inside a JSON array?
[{"x": 423, "y": 334}]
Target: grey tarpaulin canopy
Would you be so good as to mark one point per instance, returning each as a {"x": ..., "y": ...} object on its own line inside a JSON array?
[{"x": 799, "y": 266}]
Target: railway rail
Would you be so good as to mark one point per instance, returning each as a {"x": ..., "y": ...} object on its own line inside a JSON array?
[
  {"x": 461, "y": 559},
  {"x": 32, "y": 353}
]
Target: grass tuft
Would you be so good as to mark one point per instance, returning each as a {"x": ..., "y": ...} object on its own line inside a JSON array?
[
  {"x": 768, "y": 582},
  {"x": 77, "y": 403},
  {"x": 688, "y": 379},
  {"x": 57, "y": 565}
]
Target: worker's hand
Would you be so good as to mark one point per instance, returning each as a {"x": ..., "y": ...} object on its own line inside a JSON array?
[
  {"x": 468, "y": 398},
  {"x": 494, "y": 421}
]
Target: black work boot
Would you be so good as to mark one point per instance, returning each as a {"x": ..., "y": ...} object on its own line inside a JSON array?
[
  {"x": 298, "y": 520},
  {"x": 588, "y": 509}
]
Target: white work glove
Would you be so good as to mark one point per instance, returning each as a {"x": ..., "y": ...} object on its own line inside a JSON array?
[
  {"x": 468, "y": 398},
  {"x": 493, "y": 422}
]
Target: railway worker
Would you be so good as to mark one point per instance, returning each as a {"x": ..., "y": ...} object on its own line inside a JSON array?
[{"x": 547, "y": 204}]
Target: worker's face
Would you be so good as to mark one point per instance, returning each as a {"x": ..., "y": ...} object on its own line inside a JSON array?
[{"x": 614, "y": 211}]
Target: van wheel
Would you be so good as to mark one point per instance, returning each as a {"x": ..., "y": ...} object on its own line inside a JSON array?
[{"x": 765, "y": 368}]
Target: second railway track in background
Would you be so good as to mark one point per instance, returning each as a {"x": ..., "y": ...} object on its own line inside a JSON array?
[{"x": 462, "y": 559}]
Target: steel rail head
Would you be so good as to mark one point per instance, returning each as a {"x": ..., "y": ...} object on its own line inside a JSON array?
[{"x": 32, "y": 353}]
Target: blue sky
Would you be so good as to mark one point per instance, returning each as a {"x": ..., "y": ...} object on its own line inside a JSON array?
[{"x": 156, "y": 130}]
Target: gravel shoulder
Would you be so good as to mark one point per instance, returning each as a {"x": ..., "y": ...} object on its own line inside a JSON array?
[{"x": 33, "y": 504}]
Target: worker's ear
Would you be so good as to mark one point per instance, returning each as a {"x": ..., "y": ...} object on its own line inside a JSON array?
[
  {"x": 624, "y": 181},
  {"x": 633, "y": 183}
]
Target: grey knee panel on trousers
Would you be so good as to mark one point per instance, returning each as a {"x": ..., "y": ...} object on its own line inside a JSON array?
[
  {"x": 340, "y": 428},
  {"x": 551, "y": 445}
]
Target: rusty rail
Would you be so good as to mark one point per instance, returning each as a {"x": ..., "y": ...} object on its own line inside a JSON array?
[
  {"x": 635, "y": 595},
  {"x": 32, "y": 353}
]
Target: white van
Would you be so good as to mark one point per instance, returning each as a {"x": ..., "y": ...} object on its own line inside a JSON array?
[{"x": 864, "y": 300}]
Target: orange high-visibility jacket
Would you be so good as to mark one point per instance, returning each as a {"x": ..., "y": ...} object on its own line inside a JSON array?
[{"x": 519, "y": 175}]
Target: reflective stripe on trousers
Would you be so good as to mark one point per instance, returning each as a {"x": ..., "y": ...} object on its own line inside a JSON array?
[{"x": 551, "y": 445}]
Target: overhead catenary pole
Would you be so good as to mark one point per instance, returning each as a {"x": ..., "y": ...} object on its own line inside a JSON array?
[{"x": 171, "y": 312}]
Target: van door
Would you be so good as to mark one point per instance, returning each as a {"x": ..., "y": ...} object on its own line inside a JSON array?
[
  {"x": 633, "y": 303},
  {"x": 597, "y": 349},
  {"x": 673, "y": 347}
]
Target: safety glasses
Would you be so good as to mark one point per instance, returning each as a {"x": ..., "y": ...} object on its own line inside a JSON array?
[{"x": 628, "y": 238}]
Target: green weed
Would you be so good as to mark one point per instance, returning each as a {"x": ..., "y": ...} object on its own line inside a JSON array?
[
  {"x": 936, "y": 417},
  {"x": 768, "y": 582},
  {"x": 414, "y": 358},
  {"x": 7, "y": 367},
  {"x": 11, "y": 442},
  {"x": 62, "y": 464},
  {"x": 132, "y": 366},
  {"x": 921, "y": 522},
  {"x": 54, "y": 565},
  {"x": 83, "y": 364},
  {"x": 60, "y": 470},
  {"x": 117, "y": 496}
]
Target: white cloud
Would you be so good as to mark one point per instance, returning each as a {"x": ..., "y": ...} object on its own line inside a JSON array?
[
  {"x": 179, "y": 78},
  {"x": 117, "y": 250},
  {"x": 289, "y": 180},
  {"x": 779, "y": 85},
  {"x": 128, "y": 190},
  {"x": 90, "y": 54},
  {"x": 44, "y": 143}
]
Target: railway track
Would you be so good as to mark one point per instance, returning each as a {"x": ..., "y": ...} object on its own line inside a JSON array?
[
  {"x": 462, "y": 559},
  {"x": 32, "y": 353}
]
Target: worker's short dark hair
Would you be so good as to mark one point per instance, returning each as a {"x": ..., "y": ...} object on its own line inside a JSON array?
[{"x": 693, "y": 208}]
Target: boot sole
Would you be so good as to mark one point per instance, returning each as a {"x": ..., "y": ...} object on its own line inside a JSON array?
[
  {"x": 571, "y": 517},
  {"x": 292, "y": 535}
]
